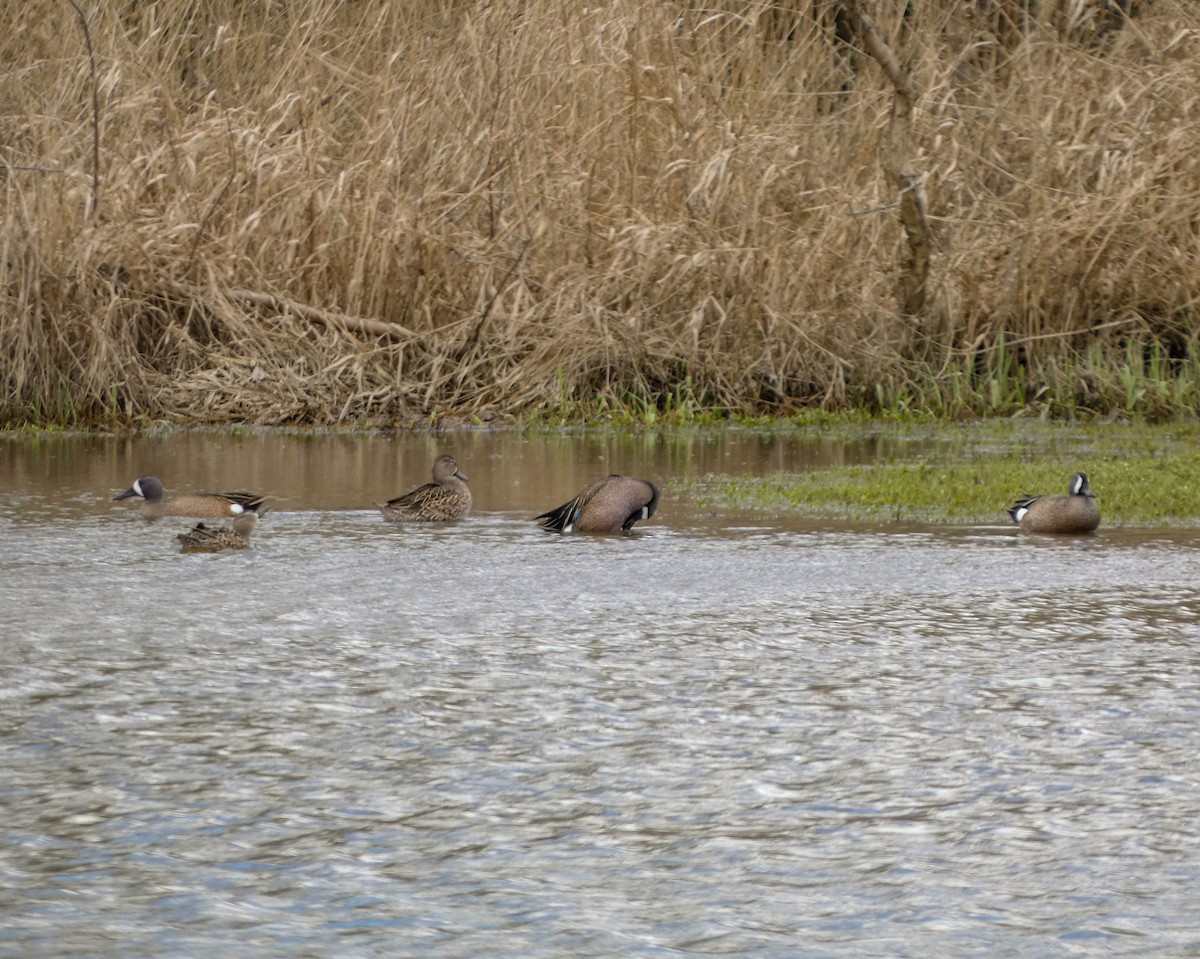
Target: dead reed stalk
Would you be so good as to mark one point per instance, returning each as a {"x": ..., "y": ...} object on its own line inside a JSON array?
[{"x": 380, "y": 213}]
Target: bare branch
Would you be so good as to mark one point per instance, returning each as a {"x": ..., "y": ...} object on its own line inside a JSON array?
[
  {"x": 355, "y": 324},
  {"x": 87, "y": 40}
]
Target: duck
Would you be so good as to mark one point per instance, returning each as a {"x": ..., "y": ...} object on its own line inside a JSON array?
[
  {"x": 214, "y": 539},
  {"x": 1075, "y": 511},
  {"x": 156, "y": 503},
  {"x": 609, "y": 505},
  {"x": 446, "y": 498}
]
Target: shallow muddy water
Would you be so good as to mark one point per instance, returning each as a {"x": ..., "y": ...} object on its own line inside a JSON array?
[{"x": 721, "y": 735}]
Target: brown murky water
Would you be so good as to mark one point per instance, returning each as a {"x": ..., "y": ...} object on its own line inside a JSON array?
[
  {"x": 722, "y": 735},
  {"x": 508, "y": 471}
]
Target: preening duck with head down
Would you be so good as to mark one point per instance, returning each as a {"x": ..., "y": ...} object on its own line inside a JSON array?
[{"x": 607, "y": 506}]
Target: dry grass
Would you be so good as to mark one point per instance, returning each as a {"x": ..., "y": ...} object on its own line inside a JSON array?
[{"x": 381, "y": 212}]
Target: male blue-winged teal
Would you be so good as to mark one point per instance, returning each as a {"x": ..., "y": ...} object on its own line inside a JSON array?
[
  {"x": 447, "y": 497},
  {"x": 607, "y": 506},
  {"x": 214, "y": 539},
  {"x": 1073, "y": 512},
  {"x": 155, "y": 502}
]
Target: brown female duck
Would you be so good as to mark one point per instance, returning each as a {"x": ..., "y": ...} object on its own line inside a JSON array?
[
  {"x": 446, "y": 498},
  {"x": 214, "y": 539}
]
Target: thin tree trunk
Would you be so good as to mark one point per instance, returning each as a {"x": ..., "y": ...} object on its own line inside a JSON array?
[{"x": 896, "y": 159}]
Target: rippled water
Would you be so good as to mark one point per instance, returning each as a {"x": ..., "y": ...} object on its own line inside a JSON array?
[{"x": 716, "y": 736}]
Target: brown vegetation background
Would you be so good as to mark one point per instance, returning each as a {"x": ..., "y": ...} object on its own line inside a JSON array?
[{"x": 383, "y": 212}]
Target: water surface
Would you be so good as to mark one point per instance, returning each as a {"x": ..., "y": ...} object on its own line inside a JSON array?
[{"x": 722, "y": 735}]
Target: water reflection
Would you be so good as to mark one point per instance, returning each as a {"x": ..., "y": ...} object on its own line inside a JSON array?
[
  {"x": 508, "y": 470},
  {"x": 716, "y": 736}
]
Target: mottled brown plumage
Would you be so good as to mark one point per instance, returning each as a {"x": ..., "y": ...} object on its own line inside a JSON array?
[
  {"x": 446, "y": 498},
  {"x": 607, "y": 506},
  {"x": 156, "y": 503},
  {"x": 214, "y": 539},
  {"x": 1073, "y": 512}
]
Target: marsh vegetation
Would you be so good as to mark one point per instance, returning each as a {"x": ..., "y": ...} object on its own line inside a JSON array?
[
  {"x": 333, "y": 212},
  {"x": 1143, "y": 475}
]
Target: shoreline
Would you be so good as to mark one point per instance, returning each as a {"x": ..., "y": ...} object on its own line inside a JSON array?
[{"x": 911, "y": 470}]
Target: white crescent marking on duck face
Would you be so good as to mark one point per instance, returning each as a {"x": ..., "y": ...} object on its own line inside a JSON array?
[
  {"x": 1077, "y": 485},
  {"x": 137, "y": 488}
]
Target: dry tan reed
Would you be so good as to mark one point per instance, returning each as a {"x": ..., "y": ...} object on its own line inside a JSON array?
[{"x": 326, "y": 211}]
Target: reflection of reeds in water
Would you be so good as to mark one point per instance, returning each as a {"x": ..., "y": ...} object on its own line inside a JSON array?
[{"x": 385, "y": 211}]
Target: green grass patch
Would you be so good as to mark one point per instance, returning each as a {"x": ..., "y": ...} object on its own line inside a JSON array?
[{"x": 1142, "y": 476}]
